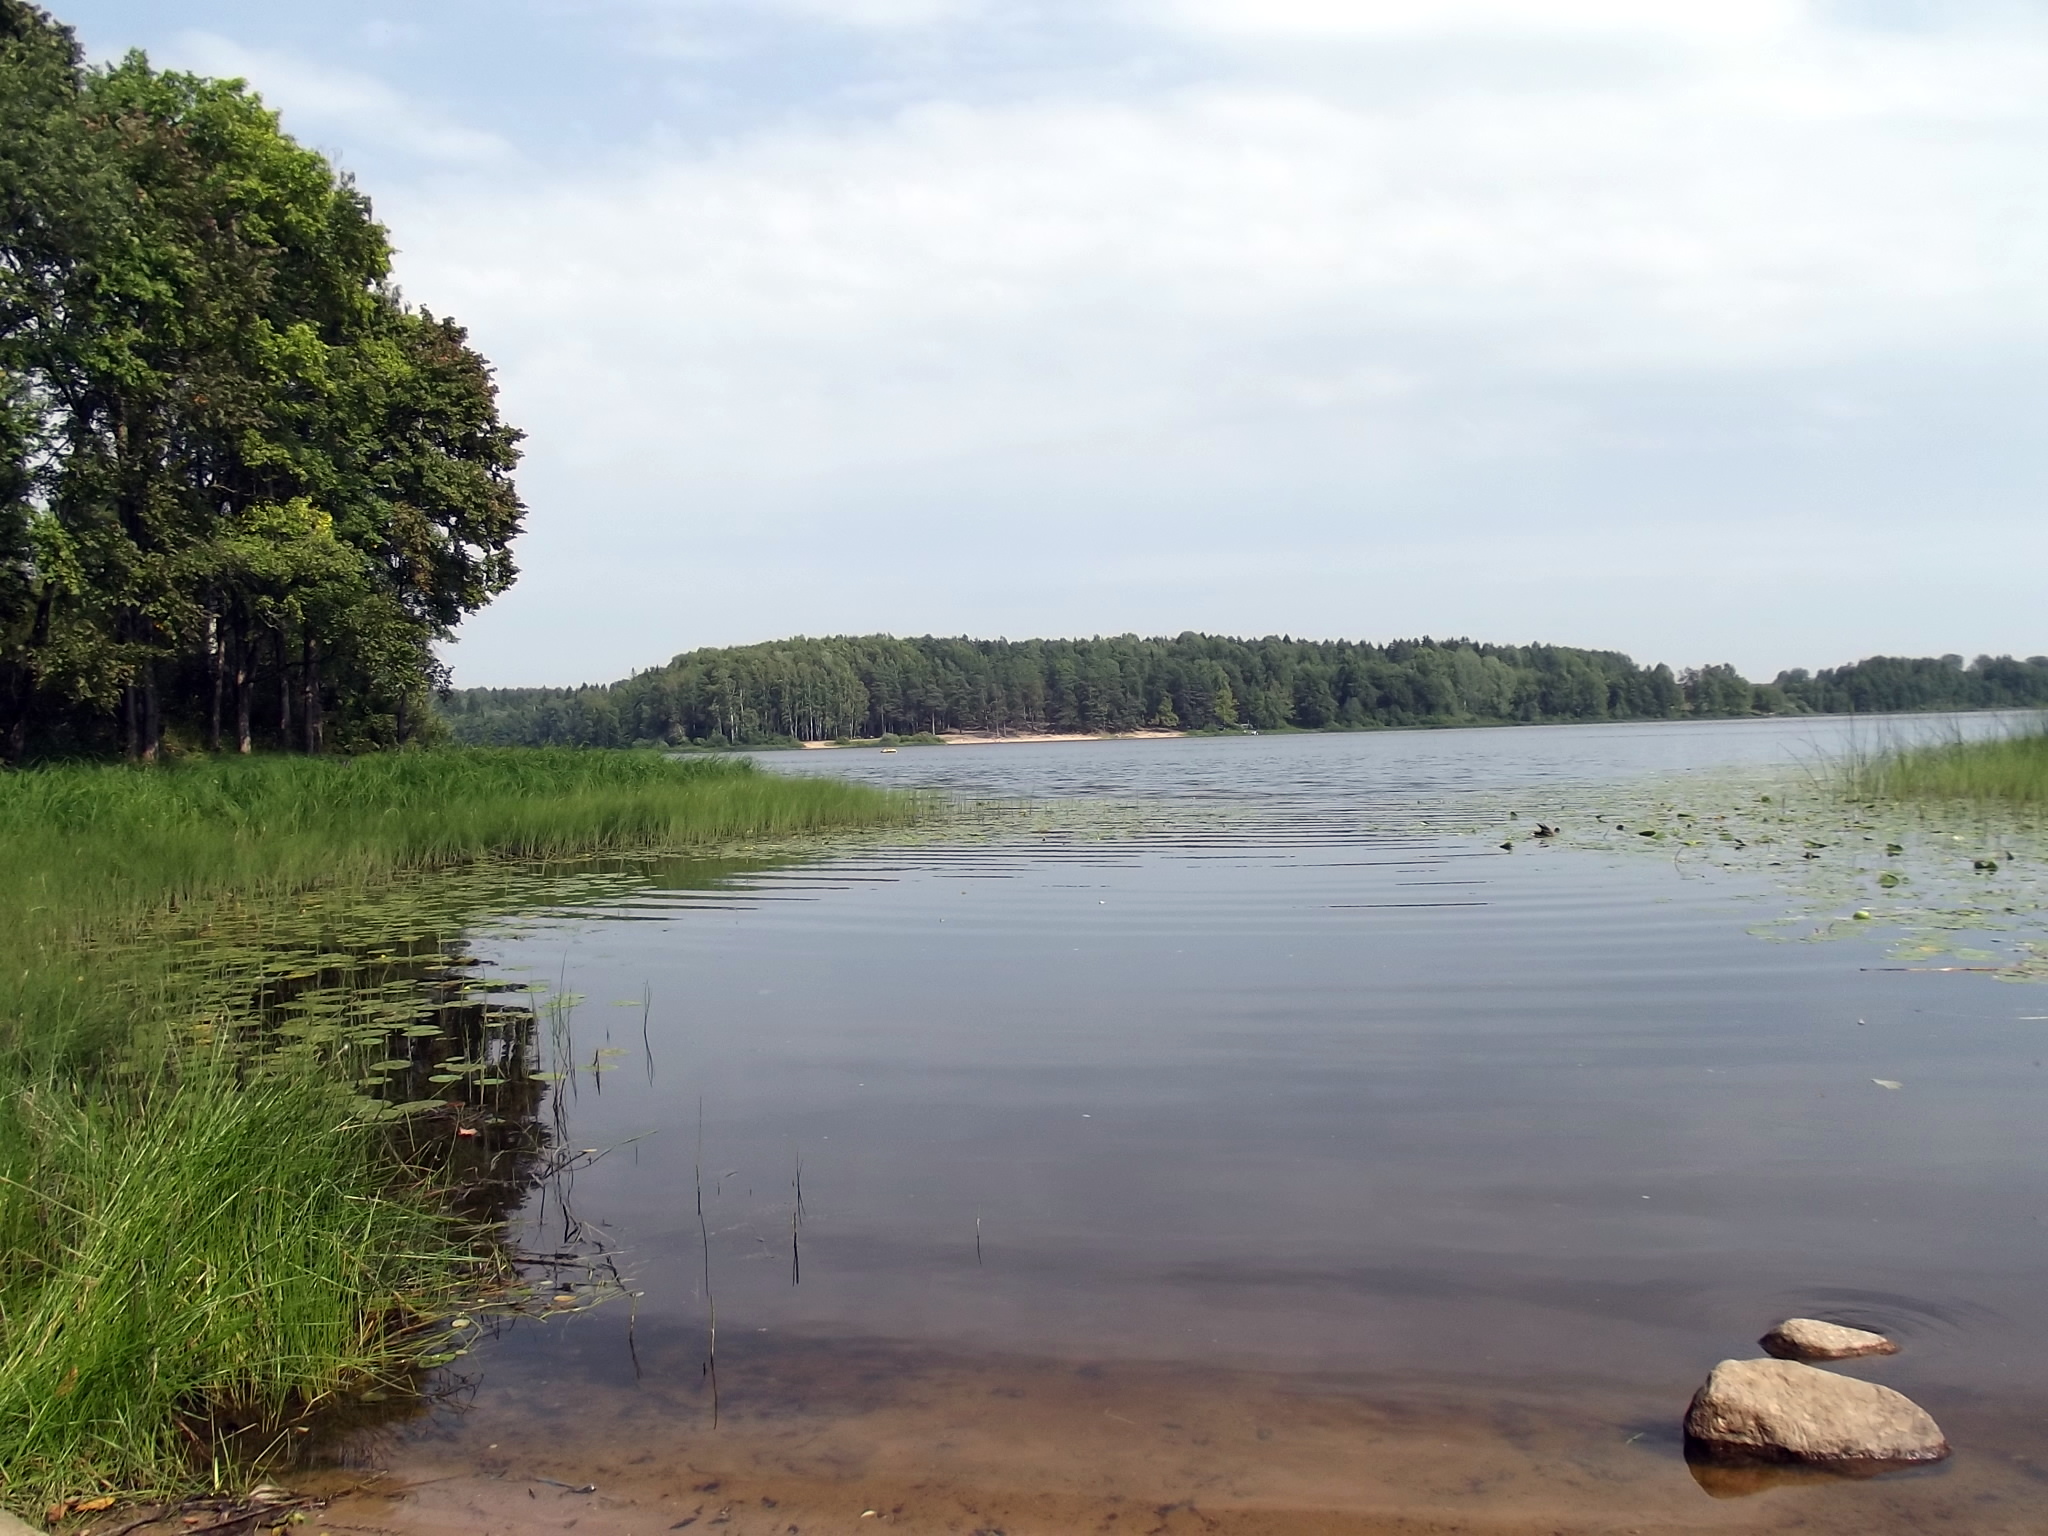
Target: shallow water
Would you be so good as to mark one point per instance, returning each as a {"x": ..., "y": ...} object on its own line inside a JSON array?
[{"x": 1242, "y": 1135}]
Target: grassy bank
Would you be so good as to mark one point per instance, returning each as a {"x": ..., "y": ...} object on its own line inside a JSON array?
[
  {"x": 2011, "y": 770},
  {"x": 203, "y": 1236}
]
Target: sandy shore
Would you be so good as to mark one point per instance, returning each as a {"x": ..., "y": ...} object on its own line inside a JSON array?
[
  {"x": 864, "y": 1438},
  {"x": 971, "y": 739}
]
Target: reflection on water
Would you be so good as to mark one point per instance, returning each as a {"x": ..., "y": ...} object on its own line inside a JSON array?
[{"x": 1355, "y": 1164}]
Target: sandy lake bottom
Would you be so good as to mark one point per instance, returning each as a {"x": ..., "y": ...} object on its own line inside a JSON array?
[{"x": 1232, "y": 1136}]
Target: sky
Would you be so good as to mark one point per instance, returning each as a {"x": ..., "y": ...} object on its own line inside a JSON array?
[{"x": 1703, "y": 331}]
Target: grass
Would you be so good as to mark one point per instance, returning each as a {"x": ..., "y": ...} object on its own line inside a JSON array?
[
  {"x": 204, "y": 1239},
  {"x": 2011, "y": 770}
]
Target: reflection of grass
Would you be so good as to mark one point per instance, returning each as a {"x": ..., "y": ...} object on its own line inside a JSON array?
[
  {"x": 2012, "y": 769},
  {"x": 195, "y": 1240}
]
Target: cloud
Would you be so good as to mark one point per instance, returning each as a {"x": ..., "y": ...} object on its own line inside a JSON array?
[
  {"x": 958, "y": 276},
  {"x": 874, "y": 15},
  {"x": 1460, "y": 317},
  {"x": 325, "y": 104},
  {"x": 1324, "y": 19}
]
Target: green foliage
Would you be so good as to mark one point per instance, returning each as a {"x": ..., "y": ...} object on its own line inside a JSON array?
[
  {"x": 203, "y": 1231},
  {"x": 96, "y": 854},
  {"x": 2012, "y": 770},
  {"x": 194, "y": 1261},
  {"x": 233, "y": 464},
  {"x": 860, "y": 687},
  {"x": 1890, "y": 684}
]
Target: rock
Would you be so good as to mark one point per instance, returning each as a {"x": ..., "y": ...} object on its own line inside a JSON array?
[
  {"x": 9, "y": 1526},
  {"x": 1808, "y": 1338},
  {"x": 1781, "y": 1410}
]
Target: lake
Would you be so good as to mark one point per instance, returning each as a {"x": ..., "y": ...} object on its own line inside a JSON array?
[{"x": 1230, "y": 1134}]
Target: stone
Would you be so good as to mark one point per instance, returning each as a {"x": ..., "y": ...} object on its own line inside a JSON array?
[
  {"x": 1782, "y": 1410},
  {"x": 1808, "y": 1338},
  {"x": 9, "y": 1526}
]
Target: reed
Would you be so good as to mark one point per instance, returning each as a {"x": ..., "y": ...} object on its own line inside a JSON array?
[
  {"x": 2010, "y": 770},
  {"x": 200, "y": 1247}
]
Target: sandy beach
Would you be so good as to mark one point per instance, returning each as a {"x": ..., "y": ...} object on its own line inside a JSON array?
[{"x": 974, "y": 739}]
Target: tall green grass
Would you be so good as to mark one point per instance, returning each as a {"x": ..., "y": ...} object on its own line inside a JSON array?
[
  {"x": 2011, "y": 770},
  {"x": 202, "y": 1242},
  {"x": 93, "y": 857},
  {"x": 232, "y": 1257}
]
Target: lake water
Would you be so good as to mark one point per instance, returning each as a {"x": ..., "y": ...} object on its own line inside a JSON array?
[{"x": 1228, "y": 1134}]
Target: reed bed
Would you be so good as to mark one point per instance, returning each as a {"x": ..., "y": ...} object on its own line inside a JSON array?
[
  {"x": 2010, "y": 770},
  {"x": 201, "y": 1248}
]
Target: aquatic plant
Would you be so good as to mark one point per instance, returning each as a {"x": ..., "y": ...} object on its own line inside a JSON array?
[
  {"x": 2011, "y": 769},
  {"x": 217, "y": 990}
]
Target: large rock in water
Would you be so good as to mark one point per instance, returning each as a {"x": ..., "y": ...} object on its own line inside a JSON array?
[
  {"x": 1779, "y": 1409},
  {"x": 1808, "y": 1338}
]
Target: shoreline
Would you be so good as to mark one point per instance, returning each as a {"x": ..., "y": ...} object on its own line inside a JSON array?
[
  {"x": 975, "y": 739},
  {"x": 971, "y": 739},
  {"x": 932, "y": 1444}
]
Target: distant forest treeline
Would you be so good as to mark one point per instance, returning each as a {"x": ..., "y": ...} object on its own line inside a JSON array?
[{"x": 873, "y": 685}]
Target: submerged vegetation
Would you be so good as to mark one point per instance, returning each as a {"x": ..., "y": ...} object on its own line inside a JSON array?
[
  {"x": 866, "y": 686},
  {"x": 223, "y": 1047},
  {"x": 2011, "y": 770}
]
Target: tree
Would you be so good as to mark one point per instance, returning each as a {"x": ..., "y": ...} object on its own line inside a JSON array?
[
  {"x": 231, "y": 457},
  {"x": 1717, "y": 690},
  {"x": 805, "y": 689}
]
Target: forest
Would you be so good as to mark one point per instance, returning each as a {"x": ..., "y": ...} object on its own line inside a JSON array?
[
  {"x": 1893, "y": 684},
  {"x": 870, "y": 686},
  {"x": 244, "y": 486}
]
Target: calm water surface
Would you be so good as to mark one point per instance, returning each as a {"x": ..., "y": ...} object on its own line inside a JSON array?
[{"x": 1257, "y": 1109}]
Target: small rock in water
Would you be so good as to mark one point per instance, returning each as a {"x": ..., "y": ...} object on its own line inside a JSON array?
[
  {"x": 1781, "y": 1410},
  {"x": 1808, "y": 1338}
]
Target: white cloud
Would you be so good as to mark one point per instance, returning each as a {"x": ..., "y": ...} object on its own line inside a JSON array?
[
  {"x": 1395, "y": 18},
  {"x": 879, "y": 15},
  {"x": 964, "y": 276},
  {"x": 1315, "y": 341},
  {"x": 321, "y": 104}
]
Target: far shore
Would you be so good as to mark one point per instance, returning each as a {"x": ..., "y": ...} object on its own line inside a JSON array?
[{"x": 976, "y": 739}]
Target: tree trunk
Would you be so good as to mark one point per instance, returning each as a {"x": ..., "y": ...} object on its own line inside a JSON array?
[
  {"x": 22, "y": 695},
  {"x": 14, "y": 739},
  {"x": 217, "y": 663},
  {"x": 316, "y": 725},
  {"x": 152, "y": 715},
  {"x": 284, "y": 695},
  {"x": 243, "y": 743}
]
